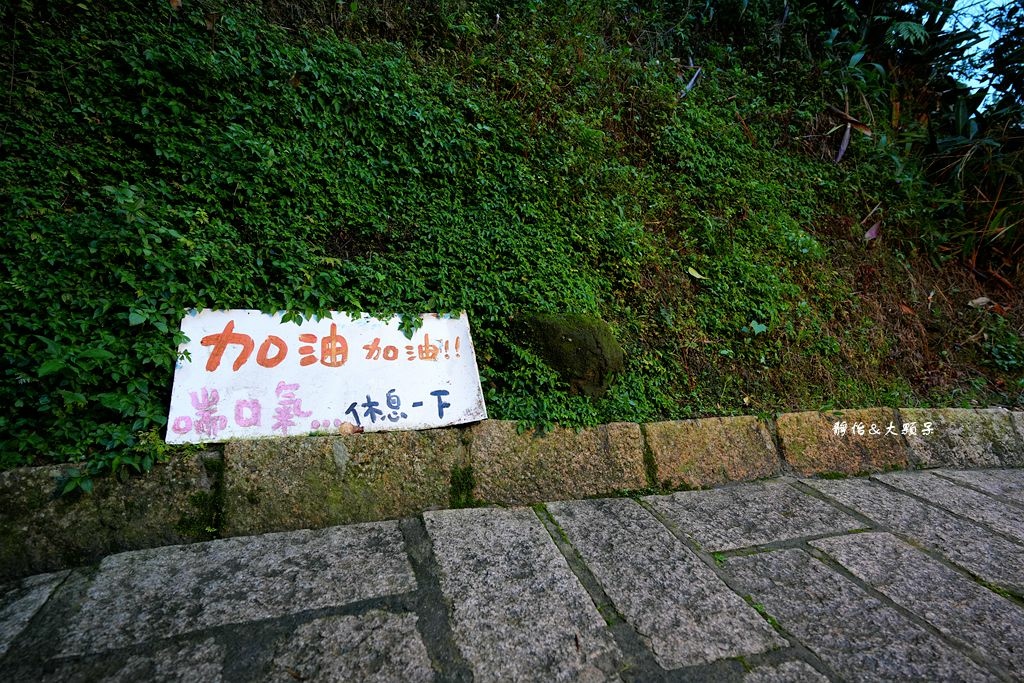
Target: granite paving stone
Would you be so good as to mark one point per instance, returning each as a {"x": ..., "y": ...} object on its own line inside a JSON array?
[
  {"x": 1002, "y": 517},
  {"x": 962, "y": 437},
  {"x": 201, "y": 659},
  {"x": 741, "y": 516},
  {"x": 787, "y": 672},
  {"x": 1006, "y": 483},
  {"x": 948, "y": 600},
  {"x": 148, "y": 594},
  {"x": 856, "y": 635},
  {"x": 513, "y": 468},
  {"x": 714, "y": 450},
  {"x": 517, "y": 610},
  {"x": 974, "y": 548},
  {"x": 908, "y": 576},
  {"x": 675, "y": 601},
  {"x": 43, "y": 531},
  {"x": 20, "y": 600},
  {"x": 1017, "y": 419},
  {"x": 312, "y": 482},
  {"x": 376, "y": 646},
  {"x": 812, "y": 445}
]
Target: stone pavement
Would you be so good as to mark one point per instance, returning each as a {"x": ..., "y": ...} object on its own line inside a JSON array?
[{"x": 900, "y": 576}]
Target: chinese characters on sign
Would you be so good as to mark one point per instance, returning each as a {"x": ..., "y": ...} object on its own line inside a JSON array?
[
  {"x": 250, "y": 375},
  {"x": 860, "y": 429}
]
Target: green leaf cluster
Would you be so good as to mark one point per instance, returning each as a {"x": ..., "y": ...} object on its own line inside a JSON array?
[{"x": 307, "y": 157}]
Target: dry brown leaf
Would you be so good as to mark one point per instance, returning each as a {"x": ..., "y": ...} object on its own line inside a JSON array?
[
  {"x": 1000, "y": 278},
  {"x": 861, "y": 128},
  {"x": 907, "y": 309}
]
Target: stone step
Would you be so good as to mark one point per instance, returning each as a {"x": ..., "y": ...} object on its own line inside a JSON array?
[
  {"x": 253, "y": 487},
  {"x": 891, "y": 577}
]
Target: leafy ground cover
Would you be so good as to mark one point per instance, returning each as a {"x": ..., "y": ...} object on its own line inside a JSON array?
[{"x": 311, "y": 157}]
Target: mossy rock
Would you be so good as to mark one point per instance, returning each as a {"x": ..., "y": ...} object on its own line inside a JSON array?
[{"x": 580, "y": 348}]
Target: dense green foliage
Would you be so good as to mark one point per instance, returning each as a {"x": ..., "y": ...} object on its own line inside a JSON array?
[{"x": 315, "y": 157}]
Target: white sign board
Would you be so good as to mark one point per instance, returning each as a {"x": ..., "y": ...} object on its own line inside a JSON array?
[{"x": 250, "y": 375}]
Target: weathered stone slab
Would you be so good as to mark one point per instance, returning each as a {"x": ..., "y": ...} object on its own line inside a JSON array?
[
  {"x": 811, "y": 445},
  {"x": 676, "y": 603},
  {"x": 201, "y": 659},
  {"x": 1006, "y": 483},
  {"x": 20, "y": 600},
  {"x": 963, "y": 438},
  {"x": 149, "y": 594},
  {"x": 701, "y": 453},
  {"x": 972, "y": 547},
  {"x": 518, "y": 469},
  {"x": 42, "y": 531},
  {"x": 1017, "y": 418},
  {"x": 953, "y": 603},
  {"x": 376, "y": 646},
  {"x": 1002, "y": 517},
  {"x": 853, "y": 633},
  {"x": 787, "y": 672},
  {"x": 517, "y": 610},
  {"x": 741, "y": 516},
  {"x": 313, "y": 482}
]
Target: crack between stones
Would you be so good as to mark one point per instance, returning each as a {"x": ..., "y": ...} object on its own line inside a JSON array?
[
  {"x": 432, "y": 610},
  {"x": 635, "y": 648},
  {"x": 954, "y": 643},
  {"x": 909, "y": 540},
  {"x": 954, "y": 513},
  {"x": 971, "y": 487},
  {"x": 796, "y": 649}
]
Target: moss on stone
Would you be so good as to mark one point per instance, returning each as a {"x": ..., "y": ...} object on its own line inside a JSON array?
[
  {"x": 963, "y": 438},
  {"x": 200, "y": 523},
  {"x": 353, "y": 500},
  {"x": 462, "y": 486},
  {"x": 311, "y": 482},
  {"x": 42, "y": 531},
  {"x": 710, "y": 451},
  {"x": 517, "y": 469},
  {"x": 580, "y": 348},
  {"x": 811, "y": 445}
]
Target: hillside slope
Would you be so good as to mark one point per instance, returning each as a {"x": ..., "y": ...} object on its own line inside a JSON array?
[{"x": 311, "y": 157}]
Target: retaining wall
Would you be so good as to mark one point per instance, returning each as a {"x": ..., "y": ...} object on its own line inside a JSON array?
[{"x": 252, "y": 487}]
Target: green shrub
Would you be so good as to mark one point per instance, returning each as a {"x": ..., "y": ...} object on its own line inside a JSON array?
[{"x": 309, "y": 157}]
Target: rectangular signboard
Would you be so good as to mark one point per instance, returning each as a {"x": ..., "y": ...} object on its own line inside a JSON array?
[{"x": 248, "y": 374}]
